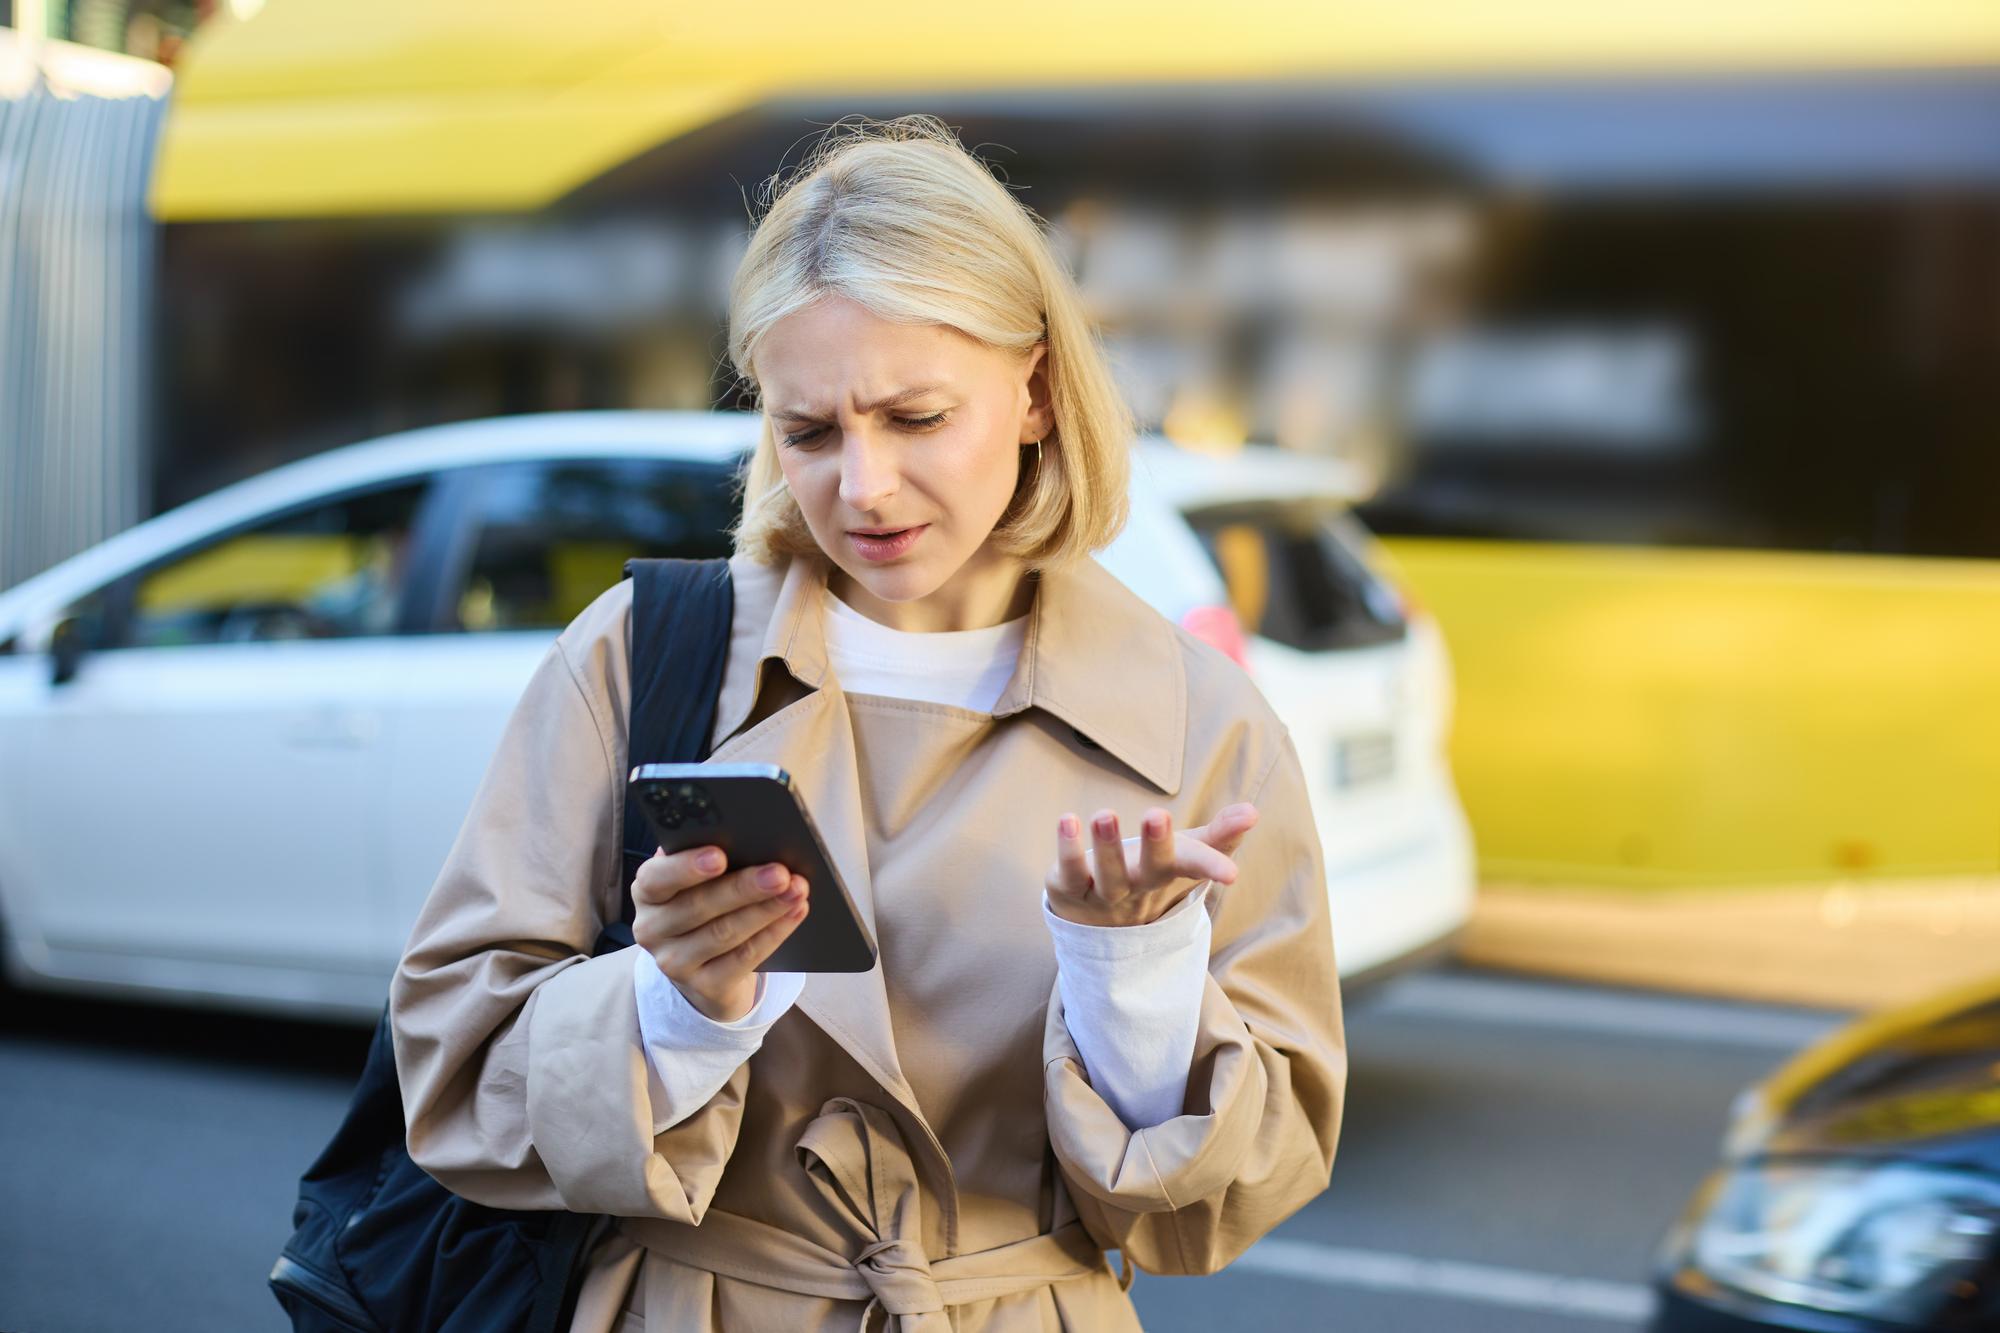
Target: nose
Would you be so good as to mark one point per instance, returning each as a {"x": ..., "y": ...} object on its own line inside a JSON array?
[{"x": 867, "y": 470}]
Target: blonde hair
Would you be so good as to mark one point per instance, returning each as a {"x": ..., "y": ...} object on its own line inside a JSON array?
[{"x": 899, "y": 217}]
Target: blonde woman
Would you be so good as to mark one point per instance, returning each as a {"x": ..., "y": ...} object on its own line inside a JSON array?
[{"x": 1105, "y": 1013}]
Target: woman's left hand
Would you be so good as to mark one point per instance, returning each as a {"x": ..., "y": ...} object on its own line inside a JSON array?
[{"x": 1129, "y": 882}]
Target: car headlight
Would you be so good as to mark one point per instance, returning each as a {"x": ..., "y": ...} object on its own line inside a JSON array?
[{"x": 1894, "y": 1242}]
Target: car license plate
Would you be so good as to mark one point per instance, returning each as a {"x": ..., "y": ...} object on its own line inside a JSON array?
[{"x": 1364, "y": 759}]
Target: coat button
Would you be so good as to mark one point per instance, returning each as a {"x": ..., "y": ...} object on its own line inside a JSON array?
[{"x": 1084, "y": 740}]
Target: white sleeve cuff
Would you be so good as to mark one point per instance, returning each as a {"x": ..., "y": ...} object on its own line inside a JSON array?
[
  {"x": 1132, "y": 1003},
  {"x": 689, "y": 1056}
]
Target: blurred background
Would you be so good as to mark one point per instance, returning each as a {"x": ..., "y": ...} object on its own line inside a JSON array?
[{"x": 1660, "y": 350}]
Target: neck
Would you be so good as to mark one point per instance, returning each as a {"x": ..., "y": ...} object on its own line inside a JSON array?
[{"x": 973, "y": 598}]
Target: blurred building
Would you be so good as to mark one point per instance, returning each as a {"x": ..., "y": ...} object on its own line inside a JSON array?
[
  {"x": 77, "y": 132},
  {"x": 1669, "y": 336}
]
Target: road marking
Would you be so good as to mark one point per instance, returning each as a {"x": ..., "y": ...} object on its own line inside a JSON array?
[
  {"x": 1590, "y": 1009},
  {"x": 1482, "y": 1284}
]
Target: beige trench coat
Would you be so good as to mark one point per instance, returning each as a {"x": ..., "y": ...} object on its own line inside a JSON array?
[{"x": 918, "y": 1145}]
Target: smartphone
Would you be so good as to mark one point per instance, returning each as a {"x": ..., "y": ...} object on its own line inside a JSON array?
[{"x": 755, "y": 815}]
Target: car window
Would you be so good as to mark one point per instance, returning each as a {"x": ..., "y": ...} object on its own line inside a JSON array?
[
  {"x": 552, "y": 536},
  {"x": 92, "y": 614},
  {"x": 1295, "y": 575},
  {"x": 331, "y": 571}
]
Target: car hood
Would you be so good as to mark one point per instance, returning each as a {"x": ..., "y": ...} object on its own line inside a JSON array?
[{"x": 1920, "y": 1083}]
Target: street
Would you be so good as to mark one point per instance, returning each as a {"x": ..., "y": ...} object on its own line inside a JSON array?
[{"x": 1512, "y": 1151}]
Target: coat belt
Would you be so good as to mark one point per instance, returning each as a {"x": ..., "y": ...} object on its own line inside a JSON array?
[{"x": 856, "y": 1158}]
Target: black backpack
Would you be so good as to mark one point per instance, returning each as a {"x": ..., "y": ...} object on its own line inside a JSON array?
[{"x": 381, "y": 1247}]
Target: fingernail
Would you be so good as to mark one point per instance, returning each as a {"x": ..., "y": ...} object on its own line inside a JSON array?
[
  {"x": 796, "y": 889},
  {"x": 1107, "y": 826},
  {"x": 1156, "y": 825},
  {"x": 711, "y": 859},
  {"x": 1068, "y": 826},
  {"x": 773, "y": 876}
]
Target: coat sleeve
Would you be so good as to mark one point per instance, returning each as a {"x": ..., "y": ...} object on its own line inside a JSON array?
[
  {"x": 1255, "y": 1139},
  {"x": 525, "y": 1083}
]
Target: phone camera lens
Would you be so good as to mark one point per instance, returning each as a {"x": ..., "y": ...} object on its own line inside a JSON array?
[{"x": 686, "y": 803}]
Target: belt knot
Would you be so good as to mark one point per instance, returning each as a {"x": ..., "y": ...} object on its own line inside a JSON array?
[{"x": 899, "y": 1277}]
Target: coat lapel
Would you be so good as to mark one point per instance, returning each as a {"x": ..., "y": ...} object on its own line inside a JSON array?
[{"x": 1099, "y": 657}]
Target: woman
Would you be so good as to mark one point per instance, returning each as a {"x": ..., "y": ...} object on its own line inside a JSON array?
[{"x": 1070, "y": 1042}]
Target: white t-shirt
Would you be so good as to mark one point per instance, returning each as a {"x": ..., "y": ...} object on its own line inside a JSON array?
[
  {"x": 967, "y": 667},
  {"x": 1131, "y": 994}
]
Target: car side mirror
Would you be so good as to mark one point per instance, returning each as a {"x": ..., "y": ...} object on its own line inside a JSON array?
[{"x": 66, "y": 645}]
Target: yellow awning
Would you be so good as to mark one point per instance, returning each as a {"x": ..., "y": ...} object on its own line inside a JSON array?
[{"x": 332, "y": 107}]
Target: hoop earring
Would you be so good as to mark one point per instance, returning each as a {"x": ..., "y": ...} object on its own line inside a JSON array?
[{"x": 1038, "y": 456}]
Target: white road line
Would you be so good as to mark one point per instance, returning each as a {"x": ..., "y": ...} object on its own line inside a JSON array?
[
  {"x": 1589, "y": 1009},
  {"x": 1483, "y": 1284}
]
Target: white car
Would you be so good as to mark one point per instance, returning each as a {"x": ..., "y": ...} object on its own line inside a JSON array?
[{"x": 237, "y": 740}]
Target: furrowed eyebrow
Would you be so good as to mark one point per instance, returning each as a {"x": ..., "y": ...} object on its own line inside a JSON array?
[{"x": 901, "y": 396}]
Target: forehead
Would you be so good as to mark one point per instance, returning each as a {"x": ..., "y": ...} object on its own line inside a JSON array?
[{"x": 836, "y": 353}]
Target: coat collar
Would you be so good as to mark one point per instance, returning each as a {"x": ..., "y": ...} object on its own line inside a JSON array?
[{"x": 1095, "y": 655}]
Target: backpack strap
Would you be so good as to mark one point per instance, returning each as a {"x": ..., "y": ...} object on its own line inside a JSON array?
[
  {"x": 682, "y": 614},
  {"x": 681, "y": 617}
]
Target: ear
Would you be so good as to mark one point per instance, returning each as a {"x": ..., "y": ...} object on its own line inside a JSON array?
[{"x": 1040, "y": 417}]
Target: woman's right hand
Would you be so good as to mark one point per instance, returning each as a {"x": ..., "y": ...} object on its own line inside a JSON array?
[{"x": 709, "y": 927}]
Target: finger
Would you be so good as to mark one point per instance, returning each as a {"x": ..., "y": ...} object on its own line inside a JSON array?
[
  {"x": 1071, "y": 874},
  {"x": 664, "y": 874},
  {"x": 719, "y": 935},
  {"x": 745, "y": 957},
  {"x": 1156, "y": 849},
  {"x": 694, "y": 908},
  {"x": 1198, "y": 860},
  {"x": 1228, "y": 827},
  {"x": 1107, "y": 858}
]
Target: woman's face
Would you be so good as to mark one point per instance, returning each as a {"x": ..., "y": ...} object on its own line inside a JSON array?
[{"x": 885, "y": 426}]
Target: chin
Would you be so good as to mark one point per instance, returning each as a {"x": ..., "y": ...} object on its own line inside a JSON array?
[{"x": 892, "y": 585}]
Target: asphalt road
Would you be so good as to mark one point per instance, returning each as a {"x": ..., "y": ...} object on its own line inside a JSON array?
[{"x": 1512, "y": 1151}]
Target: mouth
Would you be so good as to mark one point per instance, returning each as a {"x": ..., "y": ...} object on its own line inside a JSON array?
[{"x": 885, "y": 543}]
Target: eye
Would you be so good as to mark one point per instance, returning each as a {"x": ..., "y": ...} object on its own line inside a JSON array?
[{"x": 799, "y": 439}]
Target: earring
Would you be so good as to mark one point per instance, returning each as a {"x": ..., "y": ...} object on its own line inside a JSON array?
[{"x": 1038, "y": 455}]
